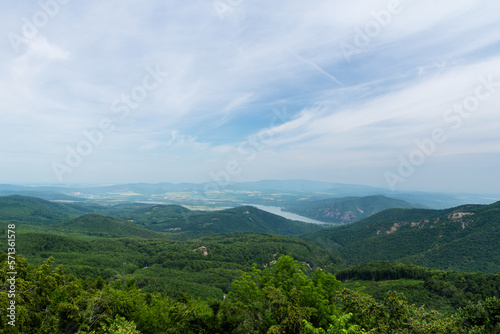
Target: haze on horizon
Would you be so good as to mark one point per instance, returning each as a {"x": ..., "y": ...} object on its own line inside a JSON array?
[{"x": 393, "y": 94}]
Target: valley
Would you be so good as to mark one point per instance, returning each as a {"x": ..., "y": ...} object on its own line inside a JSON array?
[{"x": 441, "y": 260}]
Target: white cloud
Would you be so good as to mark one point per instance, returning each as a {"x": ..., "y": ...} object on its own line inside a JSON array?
[{"x": 227, "y": 76}]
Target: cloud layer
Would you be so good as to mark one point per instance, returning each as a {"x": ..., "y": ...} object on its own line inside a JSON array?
[{"x": 331, "y": 91}]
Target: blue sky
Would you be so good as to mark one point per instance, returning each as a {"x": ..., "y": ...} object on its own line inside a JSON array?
[{"x": 246, "y": 90}]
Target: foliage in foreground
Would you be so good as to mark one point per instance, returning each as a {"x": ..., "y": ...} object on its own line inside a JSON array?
[{"x": 279, "y": 299}]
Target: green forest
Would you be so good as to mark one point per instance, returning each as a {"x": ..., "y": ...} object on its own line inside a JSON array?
[
  {"x": 347, "y": 209},
  {"x": 136, "y": 268},
  {"x": 282, "y": 298}
]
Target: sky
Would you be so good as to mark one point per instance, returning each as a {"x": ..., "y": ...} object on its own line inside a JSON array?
[{"x": 398, "y": 94}]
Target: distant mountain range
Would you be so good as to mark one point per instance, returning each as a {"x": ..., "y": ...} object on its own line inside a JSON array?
[
  {"x": 465, "y": 238},
  {"x": 347, "y": 209}
]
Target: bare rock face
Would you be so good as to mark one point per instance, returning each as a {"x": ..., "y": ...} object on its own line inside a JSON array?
[{"x": 202, "y": 249}]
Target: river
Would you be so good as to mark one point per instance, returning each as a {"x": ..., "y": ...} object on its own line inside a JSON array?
[{"x": 278, "y": 211}]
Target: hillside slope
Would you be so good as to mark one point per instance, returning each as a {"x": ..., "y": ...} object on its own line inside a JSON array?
[
  {"x": 104, "y": 226},
  {"x": 347, "y": 209},
  {"x": 465, "y": 238},
  {"x": 202, "y": 267},
  {"x": 177, "y": 219},
  {"x": 38, "y": 211},
  {"x": 159, "y": 218}
]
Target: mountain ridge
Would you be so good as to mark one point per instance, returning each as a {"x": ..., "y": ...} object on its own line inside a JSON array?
[
  {"x": 347, "y": 209},
  {"x": 465, "y": 238}
]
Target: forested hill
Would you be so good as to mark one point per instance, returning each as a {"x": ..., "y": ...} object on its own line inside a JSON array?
[
  {"x": 202, "y": 267},
  {"x": 465, "y": 238},
  {"x": 98, "y": 225},
  {"x": 167, "y": 269},
  {"x": 347, "y": 209},
  {"x": 34, "y": 210},
  {"x": 177, "y": 219},
  {"x": 160, "y": 218},
  {"x": 282, "y": 298}
]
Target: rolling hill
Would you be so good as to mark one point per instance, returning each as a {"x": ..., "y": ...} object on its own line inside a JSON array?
[
  {"x": 46, "y": 195},
  {"x": 38, "y": 211},
  {"x": 203, "y": 267},
  {"x": 177, "y": 219},
  {"x": 104, "y": 226},
  {"x": 347, "y": 209},
  {"x": 465, "y": 238},
  {"x": 91, "y": 219}
]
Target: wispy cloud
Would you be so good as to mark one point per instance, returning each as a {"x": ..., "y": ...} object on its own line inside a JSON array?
[{"x": 226, "y": 78}]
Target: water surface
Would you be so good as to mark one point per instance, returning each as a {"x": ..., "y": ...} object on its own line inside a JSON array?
[{"x": 278, "y": 211}]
